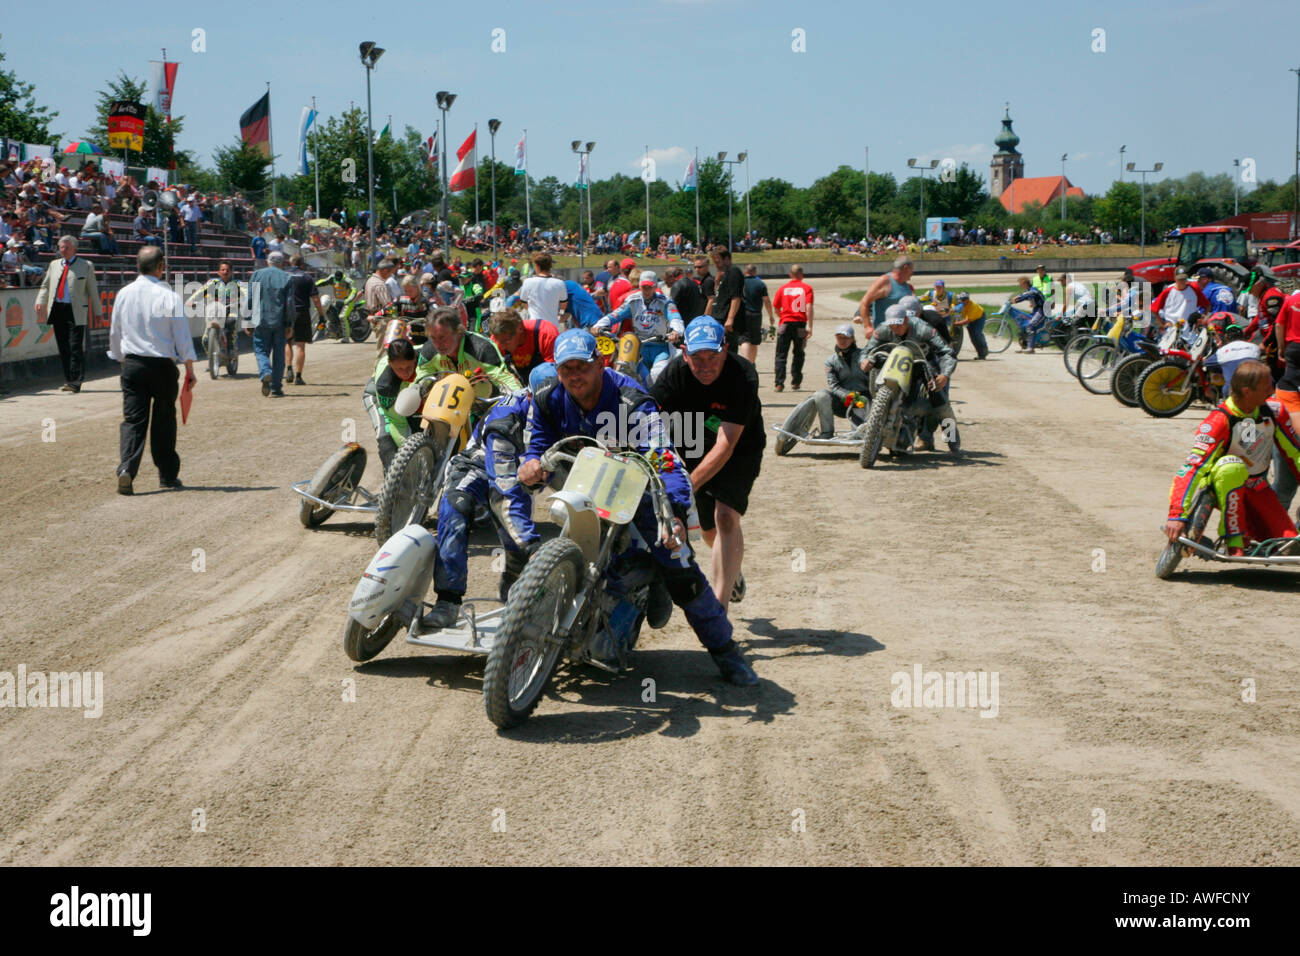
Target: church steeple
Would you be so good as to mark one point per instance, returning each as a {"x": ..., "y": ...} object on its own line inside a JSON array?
[
  {"x": 1007, "y": 140},
  {"x": 1007, "y": 164}
]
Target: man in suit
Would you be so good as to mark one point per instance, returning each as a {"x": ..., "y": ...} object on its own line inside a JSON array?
[{"x": 68, "y": 292}]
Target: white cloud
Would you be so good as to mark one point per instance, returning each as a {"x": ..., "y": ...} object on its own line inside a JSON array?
[
  {"x": 976, "y": 154},
  {"x": 671, "y": 162}
]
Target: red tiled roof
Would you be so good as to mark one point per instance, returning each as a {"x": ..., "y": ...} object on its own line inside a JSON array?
[{"x": 1039, "y": 189}]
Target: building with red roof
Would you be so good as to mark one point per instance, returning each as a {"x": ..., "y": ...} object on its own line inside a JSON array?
[{"x": 1043, "y": 190}]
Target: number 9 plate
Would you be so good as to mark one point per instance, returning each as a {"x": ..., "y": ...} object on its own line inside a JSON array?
[{"x": 614, "y": 486}]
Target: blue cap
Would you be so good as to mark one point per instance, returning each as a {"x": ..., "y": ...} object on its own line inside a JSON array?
[
  {"x": 704, "y": 333},
  {"x": 575, "y": 344},
  {"x": 541, "y": 375}
]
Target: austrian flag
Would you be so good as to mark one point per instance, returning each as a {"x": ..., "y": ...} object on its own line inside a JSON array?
[{"x": 463, "y": 178}]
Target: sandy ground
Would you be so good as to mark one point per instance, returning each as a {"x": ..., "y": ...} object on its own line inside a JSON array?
[{"x": 1121, "y": 735}]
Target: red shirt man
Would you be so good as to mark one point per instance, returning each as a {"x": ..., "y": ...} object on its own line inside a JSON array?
[
  {"x": 1288, "y": 319},
  {"x": 621, "y": 286},
  {"x": 528, "y": 344},
  {"x": 793, "y": 301}
]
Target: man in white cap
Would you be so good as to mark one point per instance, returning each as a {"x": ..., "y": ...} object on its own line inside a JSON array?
[{"x": 651, "y": 315}]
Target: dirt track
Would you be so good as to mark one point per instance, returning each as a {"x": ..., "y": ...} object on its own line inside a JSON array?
[{"x": 1117, "y": 692}]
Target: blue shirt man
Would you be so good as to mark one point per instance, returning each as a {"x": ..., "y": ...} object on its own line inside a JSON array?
[
  {"x": 1222, "y": 299},
  {"x": 268, "y": 291},
  {"x": 582, "y": 306}
]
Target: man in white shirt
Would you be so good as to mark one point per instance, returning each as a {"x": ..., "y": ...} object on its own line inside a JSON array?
[
  {"x": 149, "y": 335},
  {"x": 544, "y": 294}
]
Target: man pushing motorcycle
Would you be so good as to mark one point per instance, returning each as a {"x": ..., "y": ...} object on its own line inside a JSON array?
[
  {"x": 901, "y": 325},
  {"x": 586, "y": 400},
  {"x": 1230, "y": 454}
]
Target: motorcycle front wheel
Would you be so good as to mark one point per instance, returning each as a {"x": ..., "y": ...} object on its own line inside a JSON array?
[
  {"x": 1173, "y": 552},
  {"x": 527, "y": 647},
  {"x": 1156, "y": 389},
  {"x": 873, "y": 432},
  {"x": 359, "y": 326},
  {"x": 1095, "y": 365},
  {"x": 409, "y": 480},
  {"x": 212, "y": 345},
  {"x": 1000, "y": 331},
  {"x": 1124, "y": 378}
]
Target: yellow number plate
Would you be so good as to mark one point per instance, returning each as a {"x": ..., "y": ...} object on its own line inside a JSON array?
[{"x": 614, "y": 486}]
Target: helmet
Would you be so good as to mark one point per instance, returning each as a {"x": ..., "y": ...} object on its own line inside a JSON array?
[
  {"x": 338, "y": 275},
  {"x": 416, "y": 331},
  {"x": 963, "y": 296}
]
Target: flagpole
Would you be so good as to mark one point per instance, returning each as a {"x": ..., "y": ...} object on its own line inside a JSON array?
[
  {"x": 390, "y": 136},
  {"x": 476, "y": 213},
  {"x": 528, "y": 209},
  {"x": 591, "y": 228},
  {"x": 647, "y": 203},
  {"x": 270, "y": 142},
  {"x": 697, "y": 200},
  {"x": 867, "y": 155},
  {"x": 315, "y": 156}
]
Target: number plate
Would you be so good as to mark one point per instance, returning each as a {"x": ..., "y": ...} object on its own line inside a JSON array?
[{"x": 614, "y": 486}]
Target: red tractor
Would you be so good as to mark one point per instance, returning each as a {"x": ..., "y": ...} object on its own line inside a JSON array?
[
  {"x": 1285, "y": 263},
  {"x": 1221, "y": 249}
]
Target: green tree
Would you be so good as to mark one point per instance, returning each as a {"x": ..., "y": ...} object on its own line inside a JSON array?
[
  {"x": 20, "y": 117},
  {"x": 159, "y": 135},
  {"x": 243, "y": 167},
  {"x": 838, "y": 202},
  {"x": 1120, "y": 209},
  {"x": 961, "y": 197}
]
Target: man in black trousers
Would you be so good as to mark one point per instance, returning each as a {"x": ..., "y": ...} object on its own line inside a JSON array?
[
  {"x": 149, "y": 335},
  {"x": 69, "y": 293}
]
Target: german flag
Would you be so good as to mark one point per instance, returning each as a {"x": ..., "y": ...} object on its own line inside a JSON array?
[{"x": 255, "y": 125}]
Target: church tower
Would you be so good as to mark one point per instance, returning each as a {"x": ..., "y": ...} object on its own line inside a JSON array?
[{"x": 1007, "y": 162}]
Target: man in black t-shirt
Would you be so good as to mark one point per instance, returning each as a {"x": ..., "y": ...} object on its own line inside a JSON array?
[
  {"x": 705, "y": 283},
  {"x": 685, "y": 293},
  {"x": 711, "y": 402},
  {"x": 727, "y": 302},
  {"x": 302, "y": 293}
]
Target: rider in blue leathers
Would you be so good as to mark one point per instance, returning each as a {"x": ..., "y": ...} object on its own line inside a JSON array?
[
  {"x": 651, "y": 315},
  {"x": 587, "y": 400},
  {"x": 485, "y": 475}
]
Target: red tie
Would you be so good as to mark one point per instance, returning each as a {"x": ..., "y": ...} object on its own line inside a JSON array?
[{"x": 63, "y": 280}]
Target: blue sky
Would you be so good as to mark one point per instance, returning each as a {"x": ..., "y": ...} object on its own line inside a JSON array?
[{"x": 1190, "y": 84}]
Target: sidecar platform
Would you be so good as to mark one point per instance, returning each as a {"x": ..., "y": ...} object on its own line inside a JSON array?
[
  {"x": 1263, "y": 553},
  {"x": 472, "y": 633}
]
